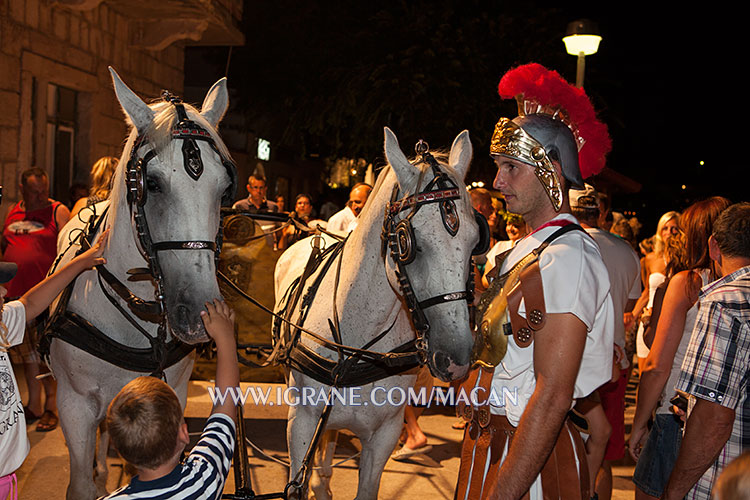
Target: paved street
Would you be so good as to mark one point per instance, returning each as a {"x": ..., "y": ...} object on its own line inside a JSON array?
[{"x": 44, "y": 475}]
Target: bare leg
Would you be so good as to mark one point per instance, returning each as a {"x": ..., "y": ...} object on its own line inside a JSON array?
[
  {"x": 604, "y": 481},
  {"x": 596, "y": 445},
  {"x": 50, "y": 390},
  {"x": 31, "y": 370},
  {"x": 415, "y": 438}
]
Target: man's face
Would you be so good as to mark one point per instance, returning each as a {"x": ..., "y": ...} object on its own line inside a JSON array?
[
  {"x": 257, "y": 190},
  {"x": 520, "y": 187},
  {"x": 35, "y": 192},
  {"x": 303, "y": 207},
  {"x": 357, "y": 199}
]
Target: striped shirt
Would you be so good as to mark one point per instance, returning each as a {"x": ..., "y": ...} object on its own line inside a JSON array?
[
  {"x": 200, "y": 476},
  {"x": 715, "y": 367}
]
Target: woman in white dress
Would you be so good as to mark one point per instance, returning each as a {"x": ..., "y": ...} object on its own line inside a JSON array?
[{"x": 653, "y": 275}]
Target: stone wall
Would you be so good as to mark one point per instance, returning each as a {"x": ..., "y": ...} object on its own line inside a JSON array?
[{"x": 41, "y": 44}]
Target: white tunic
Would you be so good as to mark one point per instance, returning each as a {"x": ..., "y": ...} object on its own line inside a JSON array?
[{"x": 575, "y": 281}]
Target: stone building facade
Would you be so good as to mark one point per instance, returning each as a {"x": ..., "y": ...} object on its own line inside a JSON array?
[{"x": 58, "y": 107}]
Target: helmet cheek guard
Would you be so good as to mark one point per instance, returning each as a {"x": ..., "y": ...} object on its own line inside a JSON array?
[{"x": 537, "y": 140}]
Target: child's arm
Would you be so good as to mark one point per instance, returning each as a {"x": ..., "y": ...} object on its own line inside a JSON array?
[
  {"x": 218, "y": 319},
  {"x": 41, "y": 296}
]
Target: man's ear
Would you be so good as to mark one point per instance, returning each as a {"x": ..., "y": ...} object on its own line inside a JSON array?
[{"x": 713, "y": 250}]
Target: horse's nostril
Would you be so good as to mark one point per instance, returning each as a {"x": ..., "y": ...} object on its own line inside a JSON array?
[{"x": 182, "y": 315}]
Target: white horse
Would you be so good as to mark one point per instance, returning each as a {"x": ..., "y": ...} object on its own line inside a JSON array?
[
  {"x": 369, "y": 300},
  {"x": 179, "y": 199}
]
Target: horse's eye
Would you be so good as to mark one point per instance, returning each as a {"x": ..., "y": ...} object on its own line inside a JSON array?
[{"x": 152, "y": 185}]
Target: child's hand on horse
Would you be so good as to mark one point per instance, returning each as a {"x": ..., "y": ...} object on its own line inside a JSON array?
[
  {"x": 93, "y": 256},
  {"x": 218, "y": 318}
]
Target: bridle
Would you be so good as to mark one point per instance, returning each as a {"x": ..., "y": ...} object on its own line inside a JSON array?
[
  {"x": 189, "y": 132},
  {"x": 398, "y": 236}
]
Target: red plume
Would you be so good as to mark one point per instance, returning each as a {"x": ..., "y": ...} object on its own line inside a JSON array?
[{"x": 533, "y": 82}]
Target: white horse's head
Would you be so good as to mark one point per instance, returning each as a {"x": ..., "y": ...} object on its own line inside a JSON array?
[
  {"x": 441, "y": 238},
  {"x": 177, "y": 171}
]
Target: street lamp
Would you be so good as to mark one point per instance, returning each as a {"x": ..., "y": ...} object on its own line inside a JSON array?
[{"x": 581, "y": 39}]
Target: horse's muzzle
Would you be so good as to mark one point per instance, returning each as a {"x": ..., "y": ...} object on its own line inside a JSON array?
[
  {"x": 443, "y": 366},
  {"x": 186, "y": 324}
]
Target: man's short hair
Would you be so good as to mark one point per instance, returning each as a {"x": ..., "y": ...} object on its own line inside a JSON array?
[
  {"x": 144, "y": 420},
  {"x": 257, "y": 177},
  {"x": 33, "y": 172},
  {"x": 585, "y": 214},
  {"x": 732, "y": 230}
]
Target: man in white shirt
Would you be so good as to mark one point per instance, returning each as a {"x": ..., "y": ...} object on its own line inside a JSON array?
[
  {"x": 559, "y": 335},
  {"x": 624, "y": 270},
  {"x": 344, "y": 220}
]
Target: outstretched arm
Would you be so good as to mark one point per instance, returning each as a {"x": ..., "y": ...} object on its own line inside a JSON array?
[
  {"x": 558, "y": 348},
  {"x": 41, "y": 296},
  {"x": 218, "y": 319}
]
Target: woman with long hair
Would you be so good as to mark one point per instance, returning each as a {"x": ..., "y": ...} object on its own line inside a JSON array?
[
  {"x": 653, "y": 267},
  {"x": 101, "y": 179},
  {"x": 656, "y": 451}
]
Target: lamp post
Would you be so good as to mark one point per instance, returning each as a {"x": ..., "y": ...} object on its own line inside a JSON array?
[{"x": 581, "y": 39}]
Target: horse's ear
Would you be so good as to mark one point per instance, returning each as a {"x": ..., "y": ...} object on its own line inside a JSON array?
[
  {"x": 461, "y": 151},
  {"x": 216, "y": 103},
  {"x": 405, "y": 172},
  {"x": 138, "y": 111}
]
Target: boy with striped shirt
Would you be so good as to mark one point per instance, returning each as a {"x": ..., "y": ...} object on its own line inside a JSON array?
[{"x": 147, "y": 427}]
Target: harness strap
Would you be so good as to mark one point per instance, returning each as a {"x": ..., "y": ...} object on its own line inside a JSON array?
[
  {"x": 446, "y": 297},
  {"x": 78, "y": 332},
  {"x": 139, "y": 306},
  {"x": 184, "y": 245},
  {"x": 403, "y": 358}
]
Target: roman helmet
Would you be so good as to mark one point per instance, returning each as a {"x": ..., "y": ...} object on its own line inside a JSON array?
[{"x": 555, "y": 122}]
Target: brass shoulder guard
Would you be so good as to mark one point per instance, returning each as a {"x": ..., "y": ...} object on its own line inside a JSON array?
[{"x": 494, "y": 325}]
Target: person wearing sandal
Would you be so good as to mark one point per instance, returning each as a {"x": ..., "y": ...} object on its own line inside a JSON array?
[{"x": 29, "y": 240}]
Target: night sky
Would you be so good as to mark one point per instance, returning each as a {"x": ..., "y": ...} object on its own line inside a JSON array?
[{"x": 323, "y": 78}]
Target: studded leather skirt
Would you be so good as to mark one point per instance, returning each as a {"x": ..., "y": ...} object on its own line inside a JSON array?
[{"x": 487, "y": 438}]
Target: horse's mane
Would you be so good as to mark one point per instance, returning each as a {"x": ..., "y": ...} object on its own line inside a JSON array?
[{"x": 159, "y": 135}]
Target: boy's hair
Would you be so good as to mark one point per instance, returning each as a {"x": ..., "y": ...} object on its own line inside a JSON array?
[
  {"x": 732, "y": 230},
  {"x": 143, "y": 420}
]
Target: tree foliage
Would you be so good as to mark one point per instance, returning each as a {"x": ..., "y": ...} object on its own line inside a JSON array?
[{"x": 327, "y": 77}]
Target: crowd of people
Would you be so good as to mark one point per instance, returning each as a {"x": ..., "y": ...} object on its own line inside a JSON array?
[{"x": 584, "y": 305}]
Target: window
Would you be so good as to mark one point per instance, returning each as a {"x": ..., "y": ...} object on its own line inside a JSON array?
[{"x": 61, "y": 139}]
